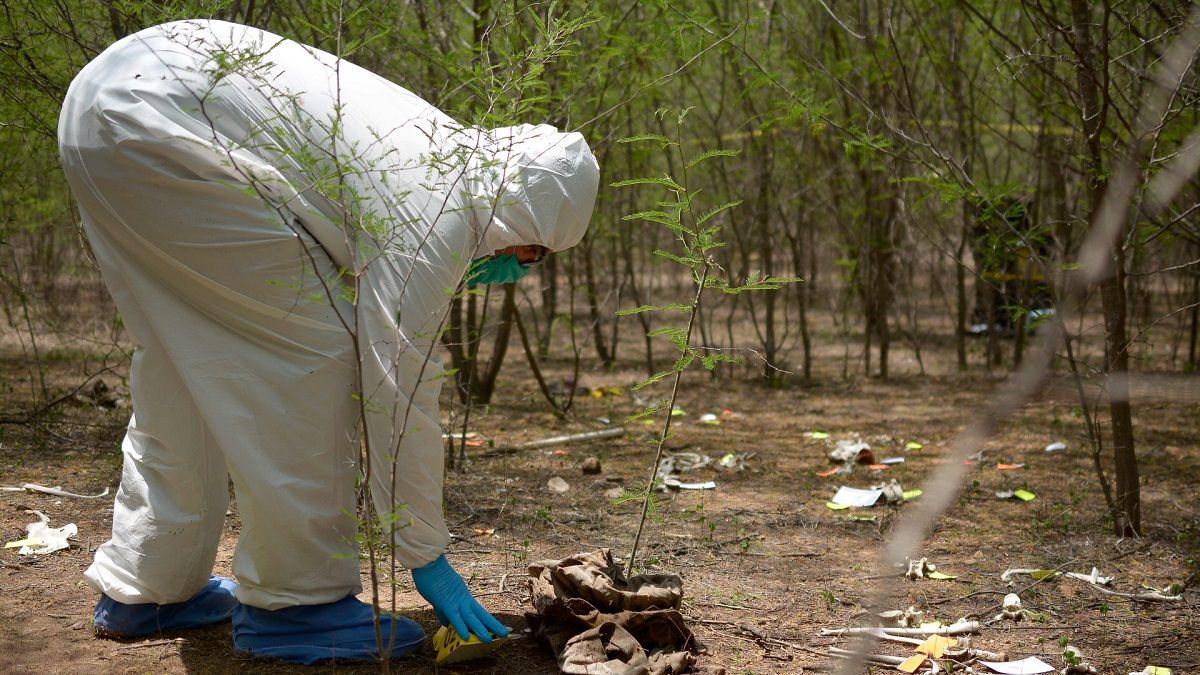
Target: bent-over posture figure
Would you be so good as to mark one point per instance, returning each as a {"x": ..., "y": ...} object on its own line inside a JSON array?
[{"x": 282, "y": 232}]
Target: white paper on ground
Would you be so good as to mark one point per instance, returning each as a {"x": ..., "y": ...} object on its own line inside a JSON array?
[
  {"x": 1028, "y": 666},
  {"x": 856, "y": 497},
  {"x": 1057, "y": 445},
  {"x": 892, "y": 460}
]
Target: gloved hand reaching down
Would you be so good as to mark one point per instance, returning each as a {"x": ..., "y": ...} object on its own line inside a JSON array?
[{"x": 443, "y": 588}]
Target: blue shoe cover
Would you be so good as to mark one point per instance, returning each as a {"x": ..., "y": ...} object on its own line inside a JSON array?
[
  {"x": 343, "y": 630},
  {"x": 213, "y": 604}
]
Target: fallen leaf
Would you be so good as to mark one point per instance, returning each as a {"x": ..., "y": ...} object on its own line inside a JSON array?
[
  {"x": 940, "y": 576},
  {"x": 485, "y": 531},
  {"x": 877, "y": 467},
  {"x": 819, "y": 435},
  {"x": 1024, "y": 495},
  {"x": 835, "y": 506},
  {"x": 1010, "y": 467},
  {"x": 913, "y": 445},
  {"x": 911, "y": 664},
  {"x": 1038, "y": 575},
  {"x": 828, "y": 472},
  {"x": 912, "y": 494}
]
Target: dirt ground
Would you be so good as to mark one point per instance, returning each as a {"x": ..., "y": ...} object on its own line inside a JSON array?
[{"x": 765, "y": 564}]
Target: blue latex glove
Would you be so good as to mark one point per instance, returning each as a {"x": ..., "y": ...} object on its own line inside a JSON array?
[
  {"x": 439, "y": 584},
  {"x": 496, "y": 269}
]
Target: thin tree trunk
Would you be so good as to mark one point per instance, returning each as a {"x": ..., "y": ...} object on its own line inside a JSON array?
[
  {"x": 767, "y": 259},
  {"x": 483, "y": 384},
  {"x": 1093, "y": 104},
  {"x": 1191, "y": 362},
  {"x": 960, "y": 289},
  {"x": 534, "y": 367},
  {"x": 593, "y": 300},
  {"x": 549, "y": 276},
  {"x": 802, "y": 299}
]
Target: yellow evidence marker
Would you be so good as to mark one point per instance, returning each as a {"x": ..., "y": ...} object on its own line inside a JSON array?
[{"x": 453, "y": 649}]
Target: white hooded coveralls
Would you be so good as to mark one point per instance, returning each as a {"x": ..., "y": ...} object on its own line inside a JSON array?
[{"x": 231, "y": 182}]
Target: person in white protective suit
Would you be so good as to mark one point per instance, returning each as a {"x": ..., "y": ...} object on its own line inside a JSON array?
[{"x": 282, "y": 231}]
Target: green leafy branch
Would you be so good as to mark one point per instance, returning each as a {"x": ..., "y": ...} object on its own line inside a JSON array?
[{"x": 696, "y": 232}]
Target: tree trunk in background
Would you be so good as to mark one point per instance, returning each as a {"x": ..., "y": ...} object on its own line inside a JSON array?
[
  {"x": 966, "y": 140},
  {"x": 1191, "y": 361},
  {"x": 549, "y": 277},
  {"x": 483, "y": 381},
  {"x": 878, "y": 263},
  {"x": 474, "y": 382},
  {"x": 114, "y": 20},
  {"x": 453, "y": 340},
  {"x": 798, "y": 258},
  {"x": 960, "y": 290},
  {"x": 879, "y": 203},
  {"x": 1128, "y": 497},
  {"x": 593, "y": 300},
  {"x": 638, "y": 298},
  {"x": 766, "y": 246},
  {"x": 1093, "y": 107},
  {"x": 617, "y": 283}
]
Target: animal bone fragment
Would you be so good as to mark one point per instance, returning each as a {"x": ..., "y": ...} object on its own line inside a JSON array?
[
  {"x": 919, "y": 568},
  {"x": 1012, "y": 609}
]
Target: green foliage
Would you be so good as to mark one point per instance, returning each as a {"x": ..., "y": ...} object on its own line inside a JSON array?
[
  {"x": 695, "y": 240},
  {"x": 816, "y": 118},
  {"x": 649, "y": 497}
]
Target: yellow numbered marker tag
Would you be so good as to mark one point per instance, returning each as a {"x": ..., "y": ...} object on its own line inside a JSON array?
[{"x": 453, "y": 649}]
